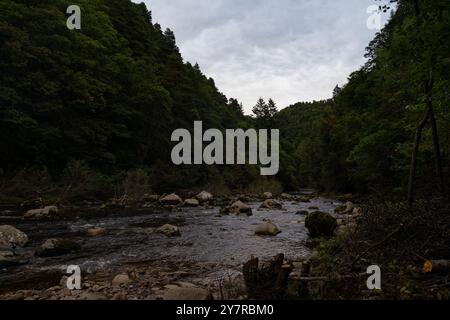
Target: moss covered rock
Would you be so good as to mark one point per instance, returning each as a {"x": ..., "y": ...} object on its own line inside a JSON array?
[{"x": 320, "y": 224}]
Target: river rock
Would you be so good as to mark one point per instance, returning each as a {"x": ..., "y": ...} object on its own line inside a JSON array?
[
  {"x": 191, "y": 203},
  {"x": 11, "y": 237},
  {"x": 169, "y": 230},
  {"x": 121, "y": 279},
  {"x": 271, "y": 204},
  {"x": 56, "y": 247},
  {"x": 267, "y": 228},
  {"x": 302, "y": 213},
  {"x": 43, "y": 213},
  {"x": 320, "y": 224},
  {"x": 286, "y": 196},
  {"x": 150, "y": 197},
  {"x": 204, "y": 196},
  {"x": 96, "y": 232},
  {"x": 347, "y": 208},
  {"x": 241, "y": 208},
  {"x": 267, "y": 195},
  {"x": 183, "y": 292},
  {"x": 171, "y": 199}
]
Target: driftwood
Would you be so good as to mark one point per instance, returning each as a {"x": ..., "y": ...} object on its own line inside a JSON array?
[
  {"x": 268, "y": 281},
  {"x": 437, "y": 266}
]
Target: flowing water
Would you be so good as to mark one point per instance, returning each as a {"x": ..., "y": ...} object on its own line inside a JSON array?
[{"x": 206, "y": 237}]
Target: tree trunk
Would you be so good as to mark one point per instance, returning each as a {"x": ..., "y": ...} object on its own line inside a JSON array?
[
  {"x": 269, "y": 281},
  {"x": 412, "y": 173},
  {"x": 436, "y": 145}
]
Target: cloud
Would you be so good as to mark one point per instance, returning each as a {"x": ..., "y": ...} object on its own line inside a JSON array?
[{"x": 290, "y": 50}]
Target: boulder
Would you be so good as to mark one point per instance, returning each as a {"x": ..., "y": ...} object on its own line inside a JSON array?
[
  {"x": 56, "y": 247},
  {"x": 204, "y": 196},
  {"x": 271, "y": 204},
  {"x": 169, "y": 230},
  {"x": 286, "y": 196},
  {"x": 267, "y": 228},
  {"x": 11, "y": 237},
  {"x": 240, "y": 208},
  {"x": 183, "y": 292},
  {"x": 267, "y": 195},
  {"x": 96, "y": 232},
  {"x": 302, "y": 213},
  {"x": 121, "y": 279},
  {"x": 320, "y": 224},
  {"x": 191, "y": 203},
  {"x": 43, "y": 213},
  {"x": 171, "y": 199}
]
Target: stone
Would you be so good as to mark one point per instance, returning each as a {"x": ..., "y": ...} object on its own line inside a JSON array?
[
  {"x": 347, "y": 208},
  {"x": 11, "y": 237},
  {"x": 121, "y": 279},
  {"x": 56, "y": 247},
  {"x": 204, "y": 196},
  {"x": 43, "y": 213},
  {"x": 320, "y": 224},
  {"x": 171, "y": 199},
  {"x": 267, "y": 228},
  {"x": 191, "y": 203},
  {"x": 183, "y": 292},
  {"x": 286, "y": 196},
  {"x": 302, "y": 213},
  {"x": 271, "y": 204},
  {"x": 96, "y": 232},
  {"x": 240, "y": 208},
  {"x": 169, "y": 230},
  {"x": 267, "y": 195}
]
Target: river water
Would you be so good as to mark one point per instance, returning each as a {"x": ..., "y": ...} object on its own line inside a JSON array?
[{"x": 206, "y": 237}]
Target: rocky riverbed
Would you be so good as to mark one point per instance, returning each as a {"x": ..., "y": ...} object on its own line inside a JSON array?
[{"x": 124, "y": 254}]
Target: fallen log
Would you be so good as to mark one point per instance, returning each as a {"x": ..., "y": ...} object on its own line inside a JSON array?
[{"x": 437, "y": 266}]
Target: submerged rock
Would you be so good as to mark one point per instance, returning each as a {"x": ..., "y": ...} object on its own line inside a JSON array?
[
  {"x": 43, "y": 213},
  {"x": 320, "y": 224},
  {"x": 96, "y": 232},
  {"x": 56, "y": 247},
  {"x": 169, "y": 230},
  {"x": 271, "y": 204},
  {"x": 9, "y": 259},
  {"x": 267, "y": 228},
  {"x": 11, "y": 237}
]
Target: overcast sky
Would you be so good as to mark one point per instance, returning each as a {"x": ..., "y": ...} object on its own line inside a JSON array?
[{"x": 290, "y": 50}]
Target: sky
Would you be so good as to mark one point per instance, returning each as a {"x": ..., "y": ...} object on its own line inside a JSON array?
[{"x": 287, "y": 50}]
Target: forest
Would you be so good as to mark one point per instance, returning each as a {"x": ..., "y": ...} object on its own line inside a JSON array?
[{"x": 87, "y": 115}]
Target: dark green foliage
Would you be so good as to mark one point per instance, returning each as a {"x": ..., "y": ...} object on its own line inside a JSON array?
[
  {"x": 109, "y": 94},
  {"x": 362, "y": 139}
]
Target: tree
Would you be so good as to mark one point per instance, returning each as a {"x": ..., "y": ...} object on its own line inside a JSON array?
[{"x": 264, "y": 113}]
